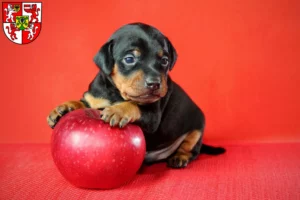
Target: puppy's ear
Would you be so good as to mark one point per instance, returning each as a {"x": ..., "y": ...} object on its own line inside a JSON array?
[
  {"x": 173, "y": 54},
  {"x": 104, "y": 58}
]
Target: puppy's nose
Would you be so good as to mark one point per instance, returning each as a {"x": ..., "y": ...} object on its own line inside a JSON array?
[{"x": 153, "y": 83}]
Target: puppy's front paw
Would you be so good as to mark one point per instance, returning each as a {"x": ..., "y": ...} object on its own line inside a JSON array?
[
  {"x": 121, "y": 114},
  {"x": 61, "y": 110},
  {"x": 178, "y": 161}
]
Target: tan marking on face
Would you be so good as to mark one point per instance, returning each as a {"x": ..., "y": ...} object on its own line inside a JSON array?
[
  {"x": 128, "y": 85},
  {"x": 133, "y": 85},
  {"x": 95, "y": 102},
  {"x": 164, "y": 86},
  {"x": 160, "y": 53},
  {"x": 137, "y": 52}
]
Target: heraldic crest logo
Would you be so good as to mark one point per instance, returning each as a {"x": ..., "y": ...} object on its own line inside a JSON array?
[{"x": 22, "y": 21}]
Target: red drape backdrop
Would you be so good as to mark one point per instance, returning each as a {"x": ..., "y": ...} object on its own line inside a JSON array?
[{"x": 238, "y": 60}]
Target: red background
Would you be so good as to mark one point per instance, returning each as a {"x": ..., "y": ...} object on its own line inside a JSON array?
[{"x": 239, "y": 60}]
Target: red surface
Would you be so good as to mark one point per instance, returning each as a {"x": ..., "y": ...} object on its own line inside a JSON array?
[
  {"x": 239, "y": 61},
  {"x": 91, "y": 154},
  {"x": 256, "y": 172}
]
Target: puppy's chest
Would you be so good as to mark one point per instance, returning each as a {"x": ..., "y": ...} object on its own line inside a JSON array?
[
  {"x": 164, "y": 136},
  {"x": 158, "y": 141}
]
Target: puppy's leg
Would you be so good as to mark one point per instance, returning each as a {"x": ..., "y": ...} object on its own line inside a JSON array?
[
  {"x": 88, "y": 101},
  {"x": 61, "y": 110},
  {"x": 121, "y": 114},
  {"x": 186, "y": 151}
]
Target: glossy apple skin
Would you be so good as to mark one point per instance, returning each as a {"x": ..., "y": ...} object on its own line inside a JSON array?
[{"x": 91, "y": 154}]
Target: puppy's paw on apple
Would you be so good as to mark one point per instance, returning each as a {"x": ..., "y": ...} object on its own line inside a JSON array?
[
  {"x": 61, "y": 110},
  {"x": 121, "y": 114}
]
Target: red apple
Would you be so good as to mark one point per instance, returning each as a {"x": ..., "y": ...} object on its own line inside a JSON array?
[{"x": 91, "y": 154}]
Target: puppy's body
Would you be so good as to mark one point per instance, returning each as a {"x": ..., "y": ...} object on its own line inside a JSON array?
[
  {"x": 133, "y": 86},
  {"x": 171, "y": 117}
]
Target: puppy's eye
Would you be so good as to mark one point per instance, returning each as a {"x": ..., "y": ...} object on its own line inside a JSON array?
[
  {"x": 129, "y": 59},
  {"x": 164, "y": 61}
]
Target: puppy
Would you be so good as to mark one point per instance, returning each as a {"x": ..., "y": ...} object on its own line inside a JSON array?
[{"x": 133, "y": 86}]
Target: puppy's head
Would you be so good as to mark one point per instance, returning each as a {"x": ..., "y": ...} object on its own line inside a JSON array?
[{"x": 138, "y": 58}]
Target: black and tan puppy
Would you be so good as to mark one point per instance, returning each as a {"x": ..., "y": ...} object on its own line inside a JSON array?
[{"x": 133, "y": 86}]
